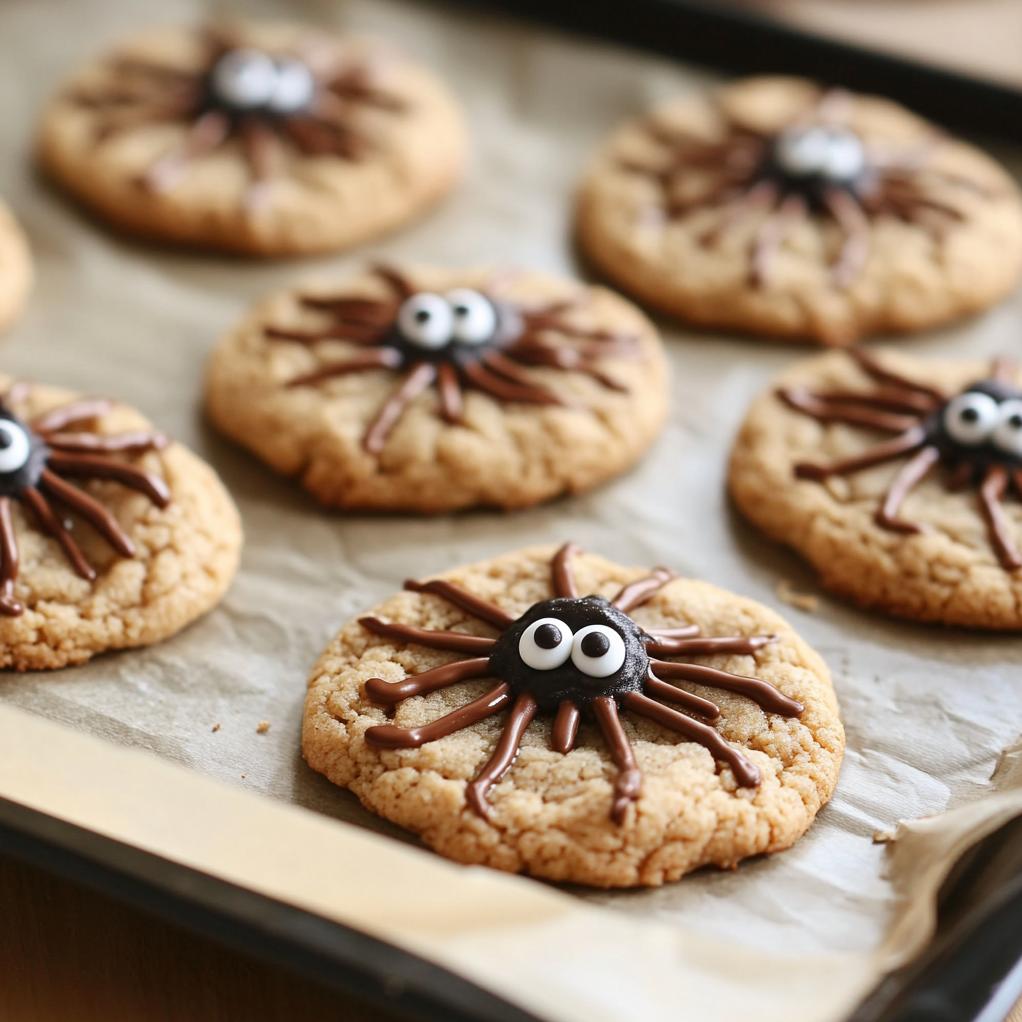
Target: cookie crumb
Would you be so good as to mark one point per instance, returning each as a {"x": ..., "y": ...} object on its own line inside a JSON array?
[
  {"x": 787, "y": 593},
  {"x": 215, "y": 728},
  {"x": 262, "y": 727}
]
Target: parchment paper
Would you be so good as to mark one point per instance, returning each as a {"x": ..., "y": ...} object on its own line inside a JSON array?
[{"x": 928, "y": 711}]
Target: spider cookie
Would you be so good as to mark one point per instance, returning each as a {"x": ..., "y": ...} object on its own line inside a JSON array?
[
  {"x": 435, "y": 390},
  {"x": 899, "y": 480},
  {"x": 778, "y": 207},
  {"x": 259, "y": 139},
  {"x": 552, "y": 713},
  {"x": 15, "y": 268},
  {"x": 111, "y": 536}
]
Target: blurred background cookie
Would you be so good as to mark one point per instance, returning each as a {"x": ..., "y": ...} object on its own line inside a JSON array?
[{"x": 15, "y": 268}]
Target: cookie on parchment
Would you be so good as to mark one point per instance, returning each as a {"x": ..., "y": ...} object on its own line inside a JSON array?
[
  {"x": 432, "y": 390},
  {"x": 262, "y": 139},
  {"x": 15, "y": 268},
  {"x": 549, "y": 712},
  {"x": 776, "y": 207},
  {"x": 898, "y": 479},
  {"x": 111, "y": 536}
]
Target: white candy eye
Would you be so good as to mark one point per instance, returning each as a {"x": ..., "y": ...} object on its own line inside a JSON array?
[
  {"x": 293, "y": 89},
  {"x": 1008, "y": 432},
  {"x": 244, "y": 78},
  {"x": 970, "y": 418},
  {"x": 426, "y": 320},
  {"x": 803, "y": 152},
  {"x": 598, "y": 651},
  {"x": 545, "y": 644},
  {"x": 475, "y": 319},
  {"x": 845, "y": 159},
  {"x": 14, "y": 446}
]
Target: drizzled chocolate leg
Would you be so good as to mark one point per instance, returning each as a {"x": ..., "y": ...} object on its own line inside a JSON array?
[
  {"x": 708, "y": 645},
  {"x": 479, "y": 608},
  {"x": 352, "y": 333},
  {"x": 635, "y": 594},
  {"x": 206, "y": 134},
  {"x": 759, "y": 691},
  {"x": 567, "y": 359},
  {"x": 452, "y": 401},
  {"x": 503, "y": 756},
  {"x": 849, "y": 410},
  {"x": 565, "y": 729},
  {"x": 910, "y": 475},
  {"x": 390, "y": 736},
  {"x": 563, "y": 578},
  {"x": 70, "y": 415},
  {"x": 870, "y": 365},
  {"x": 400, "y": 284},
  {"x": 628, "y": 784},
  {"x": 262, "y": 154},
  {"x": 991, "y": 492},
  {"x": 855, "y": 226},
  {"x": 418, "y": 378},
  {"x": 377, "y": 358},
  {"x": 672, "y": 694},
  {"x": 9, "y": 606},
  {"x": 759, "y": 198},
  {"x": 771, "y": 236},
  {"x": 681, "y": 632},
  {"x": 50, "y": 523},
  {"x": 93, "y": 466},
  {"x": 451, "y": 642},
  {"x": 111, "y": 443},
  {"x": 746, "y": 773},
  {"x": 499, "y": 386},
  {"x": 877, "y": 455},
  {"x": 90, "y": 509},
  {"x": 387, "y": 693}
]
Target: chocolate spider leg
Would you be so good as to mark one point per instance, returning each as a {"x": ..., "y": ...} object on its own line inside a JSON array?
[
  {"x": 349, "y": 332},
  {"x": 681, "y": 632},
  {"x": 390, "y": 736},
  {"x": 692, "y": 703},
  {"x": 642, "y": 590},
  {"x": 261, "y": 148},
  {"x": 850, "y": 217},
  {"x": 415, "y": 381},
  {"x": 905, "y": 442},
  {"x": 908, "y": 477},
  {"x": 50, "y": 523},
  {"x": 387, "y": 693},
  {"x": 98, "y": 466},
  {"x": 567, "y": 359},
  {"x": 507, "y": 749},
  {"x": 361, "y": 361},
  {"x": 883, "y": 396},
  {"x": 761, "y": 196},
  {"x": 562, "y": 577},
  {"x": 628, "y": 783},
  {"x": 482, "y": 378},
  {"x": 482, "y": 609},
  {"x": 992, "y": 490},
  {"x": 510, "y": 370},
  {"x": 370, "y": 312},
  {"x": 70, "y": 415},
  {"x": 869, "y": 364},
  {"x": 148, "y": 69},
  {"x": 1003, "y": 369},
  {"x": 9, "y": 606},
  {"x": 114, "y": 123},
  {"x": 746, "y": 773},
  {"x": 316, "y": 138},
  {"x": 828, "y": 408},
  {"x": 400, "y": 284},
  {"x": 452, "y": 400},
  {"x": 106, "y": 443},
  {"x": 771, "y": 235},
  {"x": 762, "y": 692},
  {"x": 451, "y": 642},
  {"x": 709, "y": 645},
  {"x": 90, "y": 509},
  {"x": 206, "y": 134},
  {"x": 565, "y": 729}
]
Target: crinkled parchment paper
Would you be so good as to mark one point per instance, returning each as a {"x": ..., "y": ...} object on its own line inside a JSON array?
[{"x": 928, "y": 711}]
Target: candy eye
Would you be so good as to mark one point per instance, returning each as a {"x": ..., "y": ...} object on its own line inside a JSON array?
[
  {"x": 244, "y": 78},
  {"x": 426, "y": 320},
  {"x": 803, "y": 152},
  {"x": 545, "y": 644},
  {"x": 293, "y": 89},
  {"x": 14, "y": 447},
  {"x": 598, "y": 651},
  {"x": 1008, "y": 431},
  {"x": 475, "y": 318},
  {"x": 970, "y": 418},
  {"x": 845, "y": 157}
]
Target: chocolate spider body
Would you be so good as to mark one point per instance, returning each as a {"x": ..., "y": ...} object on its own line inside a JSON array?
[
  {"x": 464, "y": 339},
  {"x": 814, "y": 166},
  {"x": 976, "y": 434},
  {"x": 268, "y": 101},
  {"x": 37, "y": 460},
  {"x": 573, "y": 656}
]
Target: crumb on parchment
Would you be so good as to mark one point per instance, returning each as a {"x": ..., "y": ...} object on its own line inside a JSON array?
[{"x": 262, "y": 727}]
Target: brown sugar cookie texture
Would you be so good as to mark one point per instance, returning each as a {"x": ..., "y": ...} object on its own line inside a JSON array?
[
  {"x": 431, "y": 390},
  {"x": 263, "y": 139},
  {"x": 111, "y": 535},
  {"x": 898, "y": 479},
  {"x": 15, "y": 268},
  {"x": 549, "y": 712},
  {"x": 776, "y": 207}
]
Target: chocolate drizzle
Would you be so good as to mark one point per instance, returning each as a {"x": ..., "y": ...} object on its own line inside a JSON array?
[
  {"x": 491, "y": 354},
  {"x": 573, "y": 656},
  {"x": 975, "y": 434}
]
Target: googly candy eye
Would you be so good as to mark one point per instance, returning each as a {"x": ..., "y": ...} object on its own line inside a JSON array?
[
  {"x": 545, "y": 644},
  {"x": 426, "y": 320},
  {"x": 971, "y": 417},
  {"x": 598, "y": 651},
  {"x": 845, "y": 158},
  {"x": 14, "y": 446},
  {"x": 244, "y": 78},
  {"x": 802, "y": 153},
  {"x": 1007, "y": 434},
  {"x": 293, "y": 89},
  {"x": 475, "y": 318}
]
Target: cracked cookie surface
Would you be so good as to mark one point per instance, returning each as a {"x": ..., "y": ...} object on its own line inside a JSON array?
[
  {"x": 495, "y": 452},
  {"x": 550, "y": 814}
]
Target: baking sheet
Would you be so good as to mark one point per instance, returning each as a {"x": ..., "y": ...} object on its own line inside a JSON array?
[{"x": 928, "y": 712}]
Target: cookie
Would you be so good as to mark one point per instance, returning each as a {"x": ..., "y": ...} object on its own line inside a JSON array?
[
  {"x": 430, "y": 390},
  {"x": 111, "y": 536},
  {"x": 15, "y": 268},
  {"x": 898, "y": 479},
  {"x": 776, "y": 207},
  {"x": 261, "y": 139},
  {"x": 518, "y": 714}
]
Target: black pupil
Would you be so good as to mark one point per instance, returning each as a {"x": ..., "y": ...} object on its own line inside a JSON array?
[
  {"x": 1015, "y": 421},
  {"x": 548, "y": 636},
  {"x": 461, "y": 310},
  {"x": 422, "y": 315},
  {"x": 6, "y": 439},
  {"x": 595, "y": 644},
  {"x": 969, "y": 415}
]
